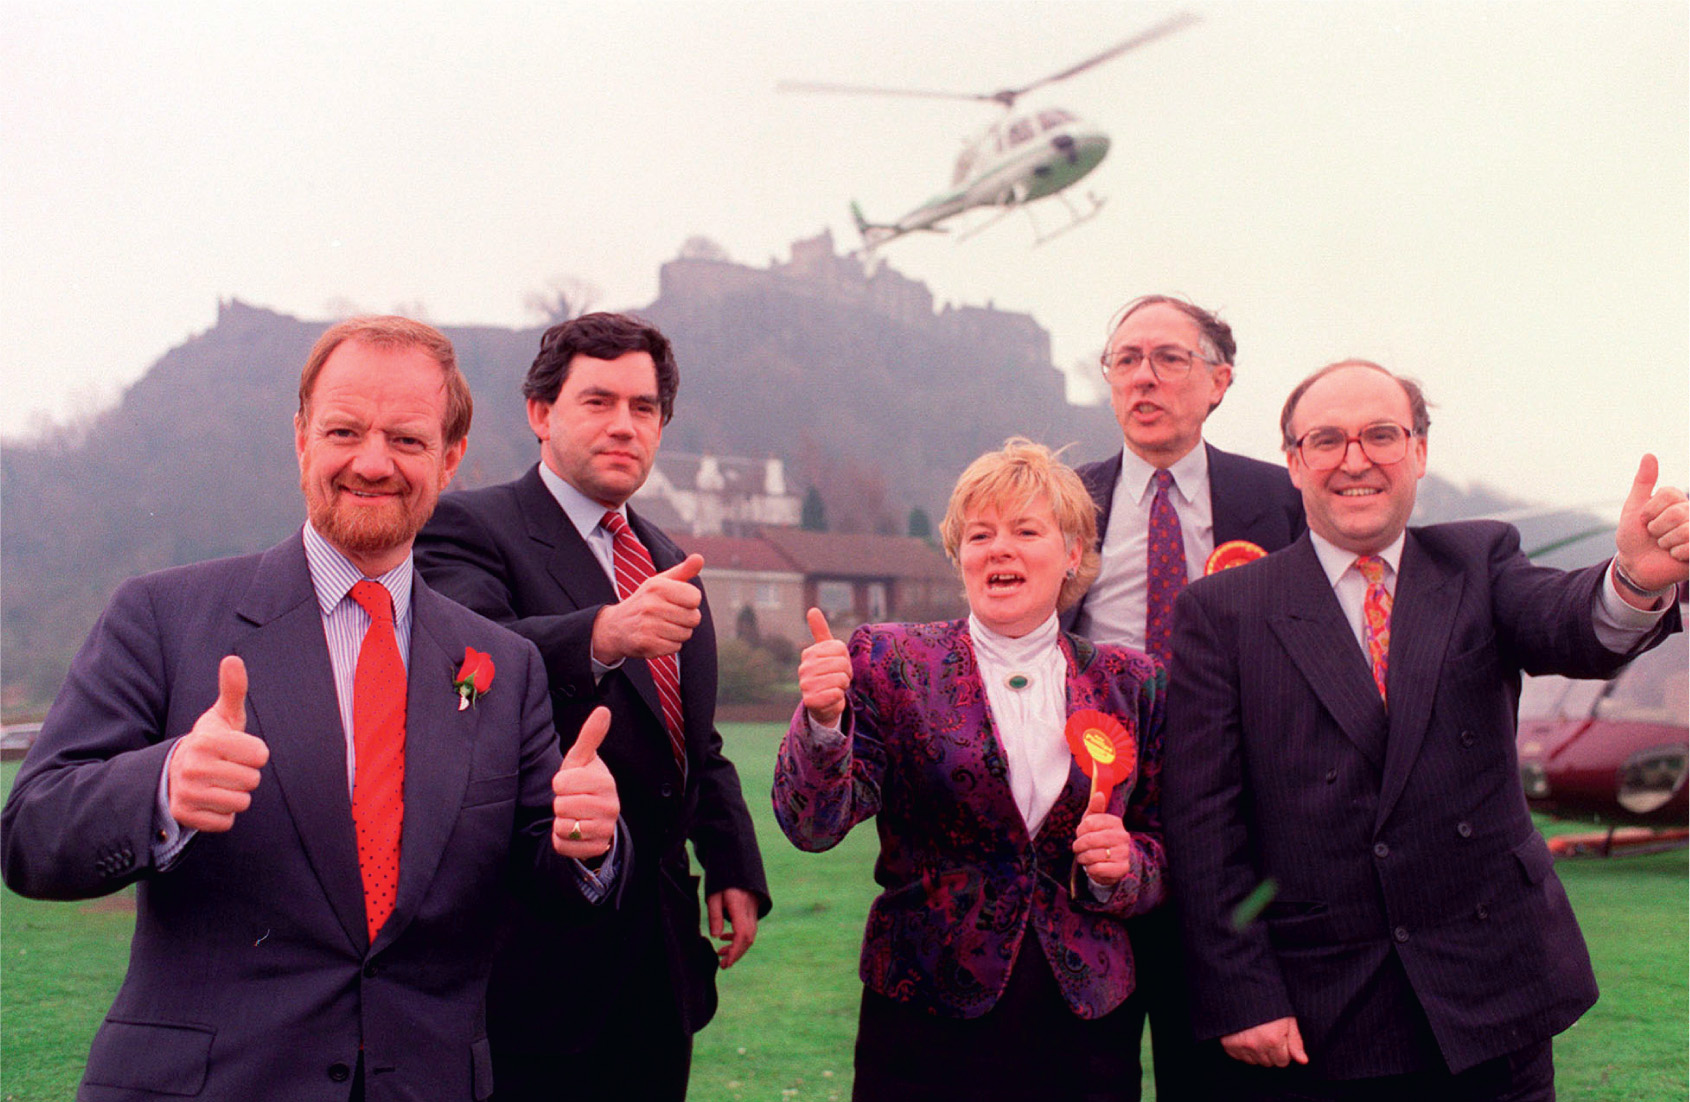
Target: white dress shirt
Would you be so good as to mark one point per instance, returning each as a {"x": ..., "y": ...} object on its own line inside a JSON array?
[{"x": 1116, "y": 603}]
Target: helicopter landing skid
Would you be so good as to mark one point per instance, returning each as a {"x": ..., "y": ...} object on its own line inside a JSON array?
[
  {"x": 1079, "y": 218},
  {"x": 971, "y": 231}
]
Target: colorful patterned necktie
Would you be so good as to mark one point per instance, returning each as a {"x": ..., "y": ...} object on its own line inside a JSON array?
[
  {"x": 633, "y": 567},
  {"x": 1376, "y": 617},
  {"x": 378, "y": 740},
  {"x": 1164, "y": 569}
]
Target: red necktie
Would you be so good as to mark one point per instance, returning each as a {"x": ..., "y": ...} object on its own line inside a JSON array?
[
  {"x": 378, "y": 739},
  {"x": 633, "y": 567},
  {"x": 1376, "y": 617},
  {"x": 1164, "y": 569}
]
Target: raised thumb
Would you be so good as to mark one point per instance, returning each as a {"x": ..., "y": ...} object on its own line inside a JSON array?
[
  {"x": 818, "y": 625},
  {"x": 231, "y": 692},
  {"x": 586, "y": 746}
]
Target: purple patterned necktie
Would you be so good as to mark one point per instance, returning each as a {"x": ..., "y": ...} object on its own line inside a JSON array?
[{"x": 1164, "y": 569}]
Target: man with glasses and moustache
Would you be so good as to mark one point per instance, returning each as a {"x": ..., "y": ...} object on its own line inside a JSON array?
[
  {"x": 1165, "y": 503},
  {"x": 1340, "y": 758}
]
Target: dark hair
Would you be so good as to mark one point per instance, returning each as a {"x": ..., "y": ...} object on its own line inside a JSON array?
[
  {"x": 601, "y": 336},
  {"x": 392, "y": 332},
  {"x": 1416, "y": 398},
  {"x": 1215, "y": 334}
]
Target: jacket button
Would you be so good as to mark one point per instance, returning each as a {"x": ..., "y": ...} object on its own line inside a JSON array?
[
  {"x": 666, "y": 790},
  {"x": 1401, "y": 934},
  {"x": 1331, "y": 776},
  {"x": 1465, "y": 829},
  {"x": 340, "y": 1073},
  {"x": 371, "y": 970},
  {"x": 1482, "y": 911},
  {"x": 567, "y": 690},
  {"x": 1380, "y": 849},
  {"x": 1466, "y": 738}
]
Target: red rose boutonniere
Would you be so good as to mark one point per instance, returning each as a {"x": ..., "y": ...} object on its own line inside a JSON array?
[{"x": 475, "y": 677}]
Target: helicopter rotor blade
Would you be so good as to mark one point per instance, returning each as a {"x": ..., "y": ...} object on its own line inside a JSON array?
[
  {"x": 1166, "y": 27},
  {"x": 868, "y": 90}
]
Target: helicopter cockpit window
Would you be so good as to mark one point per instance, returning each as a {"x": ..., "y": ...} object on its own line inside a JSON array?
[
  {"x": 1050, "y": 120},
  {"x": 1021, "y": 130}
]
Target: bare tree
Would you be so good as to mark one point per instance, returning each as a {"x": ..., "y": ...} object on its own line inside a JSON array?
[{"x": 562, "y": 298}]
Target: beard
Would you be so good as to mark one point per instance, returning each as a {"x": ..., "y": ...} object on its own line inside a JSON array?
[{"x": 364, "y": 531}]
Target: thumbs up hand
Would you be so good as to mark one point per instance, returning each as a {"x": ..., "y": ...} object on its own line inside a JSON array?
[
  {"x": 655, "y": 619},
  {"x": 215, "y": 765},
  {"x": 1653, "y": 539},
  {"x": 824, "y": 672},
  {"x": 584, "y": 801}
]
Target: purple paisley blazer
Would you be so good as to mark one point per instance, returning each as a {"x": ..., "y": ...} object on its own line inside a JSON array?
[{"x": 965, "y": 887}]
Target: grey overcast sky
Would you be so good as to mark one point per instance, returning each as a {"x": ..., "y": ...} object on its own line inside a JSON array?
[{"x": 1494, "y": 197}]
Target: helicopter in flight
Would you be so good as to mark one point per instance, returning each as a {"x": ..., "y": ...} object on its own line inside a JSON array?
[{"x": 1017, "y": 160}]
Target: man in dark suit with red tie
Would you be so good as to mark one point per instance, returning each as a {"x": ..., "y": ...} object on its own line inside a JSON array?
[
  {"x": 1165, "y": 503},
  {"x": 1341, "y": 749},
  {"x": 620, "y": 620},
  {"x": 318, "y": 808}
]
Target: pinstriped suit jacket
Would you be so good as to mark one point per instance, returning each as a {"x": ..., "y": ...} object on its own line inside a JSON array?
[{"x": 1407, "y": 866}]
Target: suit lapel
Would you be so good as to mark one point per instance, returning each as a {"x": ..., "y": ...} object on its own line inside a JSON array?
[
  {"x": 962, "y": 690},
  {"x": 438, "y": 740},
  {"x": 569, "y": 561},
  {"x": 1325, "y": 651},
  {"x": 576, "y": 570},
  {"x": 1423, "y": 612},
  {"x": 291, "y": 705}
]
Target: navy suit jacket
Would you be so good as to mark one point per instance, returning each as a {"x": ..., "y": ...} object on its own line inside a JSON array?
[
  {"x": 251, "y": 974},
  {"x": 511, "y": 553},
  {"x": 1249, "y": 500},
  {"x": 1408, "y": 870}
]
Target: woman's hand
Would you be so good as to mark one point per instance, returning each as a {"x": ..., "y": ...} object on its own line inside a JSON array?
[
  {"x": 1102, "y": 844},
  {"x": 824, "y": 673}
]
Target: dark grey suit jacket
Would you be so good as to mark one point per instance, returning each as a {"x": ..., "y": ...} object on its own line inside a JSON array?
[
  {"x": 251, "y": 974},
  {"x": 1407, "y": 867},
  {"x": 512, "y": 554}
]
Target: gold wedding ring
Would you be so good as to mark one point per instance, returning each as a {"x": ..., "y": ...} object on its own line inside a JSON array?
[
  {"x": 575, "y": 831},
  {"x": 1106, "y": 853}
]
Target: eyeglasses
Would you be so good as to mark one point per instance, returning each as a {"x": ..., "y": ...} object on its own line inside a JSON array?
[
  {"x": 1323, "y": 449},
  {"x": 1170, "y": 361}
]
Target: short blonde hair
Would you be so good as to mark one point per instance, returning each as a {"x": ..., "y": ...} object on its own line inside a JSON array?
[{"x": 1014, "y": 476}]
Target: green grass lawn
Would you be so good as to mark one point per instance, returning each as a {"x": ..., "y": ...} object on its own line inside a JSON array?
[{"x": 788, "y": 1013}]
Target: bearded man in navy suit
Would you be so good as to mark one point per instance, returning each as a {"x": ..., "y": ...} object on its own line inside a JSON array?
[
  {"x": 319, "y": 820},
  {"x": 1342, "y": 745},
  {"x": 1169, "y": 364}
]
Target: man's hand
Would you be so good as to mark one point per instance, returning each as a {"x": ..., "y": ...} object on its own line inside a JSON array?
[
  {"x": 1102, "y": 845},
  {"x": 741, "y": 930},
  {"x": 215, "y": 765},
  {"x": 1272, "y": 1044},
  {"x": 656, "y": 619},
  {"x": 584, "y": 803},
  {"x": 1653, "y": 540},
  {"x": 824, "y": 672}
]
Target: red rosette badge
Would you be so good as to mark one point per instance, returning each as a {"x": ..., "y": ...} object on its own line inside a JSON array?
[
  {"x": 1103, "y": 747},
  {"x": 475, "y": 677},
  {"x": 1232, "y": 553}
]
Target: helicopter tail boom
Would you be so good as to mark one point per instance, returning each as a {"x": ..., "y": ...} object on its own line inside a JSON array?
[{"x": 873, "y": 233}]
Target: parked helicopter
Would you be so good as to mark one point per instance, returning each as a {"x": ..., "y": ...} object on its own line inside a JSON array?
[{"x": 1015, "y": 161}]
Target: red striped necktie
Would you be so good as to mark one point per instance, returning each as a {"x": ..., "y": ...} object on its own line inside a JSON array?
[
  {"x": 378, "y": 740},
  {"x": 633, "y": 568},
  {"x": 1376, "y": 617}
]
